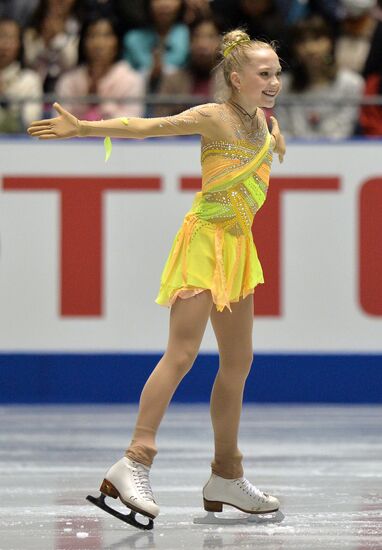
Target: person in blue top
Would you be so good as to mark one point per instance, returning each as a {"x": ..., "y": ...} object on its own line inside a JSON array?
[{"x": 163, "y": 42}]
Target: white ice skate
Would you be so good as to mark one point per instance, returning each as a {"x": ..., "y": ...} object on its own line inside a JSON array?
[
  {"x": 129, "y": 481},
  {"x": 240, "y": 494}
]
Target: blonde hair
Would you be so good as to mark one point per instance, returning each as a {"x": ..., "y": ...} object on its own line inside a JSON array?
[{"x": 235, "y": 50}]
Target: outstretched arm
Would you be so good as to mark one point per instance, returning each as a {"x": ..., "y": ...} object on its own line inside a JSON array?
[{"x": 197, "y": 120}]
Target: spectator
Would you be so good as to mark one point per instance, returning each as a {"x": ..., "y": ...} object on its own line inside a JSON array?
[
  {"x": 20, "y": 10},
  {"x": 163, "y": 44},
  {"x": 356, "y": 30},
  {"x": 197, "y": 9},
  {"x": 293, "y": 10},
  {"x": 196, "y": 79},
  {"x": 16, "y": 82},
  {"x": 51, "y": 41},
  {"x": 373, "y": 62},
  {"x": 261, "y": 19},
  {"x": 270, "y": 19},
  {"x": 330, "y": 10},
  {"x": 133, "y": 13},
  {"x": 371, "y": 115},
  {"x": 98, "y": 8},
  {"x": 316, "y": 77},
  {"x": 102, "y": 72}
]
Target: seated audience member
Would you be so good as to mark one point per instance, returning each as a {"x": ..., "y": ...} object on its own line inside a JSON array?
[
  {"x": 197, "y": 9},
  {"x": 20, "y": 10},
  {"x": 94, "y": 8},
  {"x": 196, "y": 79},
  {"x": 262, "y": 19},
  {"x": 162, "y": 45},
  {"x": 132, "y": 13},
  {"x": 314, "y": 76},
  {"x": 370, "y": 123},
  {"x": 102, "y": 72},
  {"x": 370, "y": 120},
  {"x": 355, "y": 32},
  {"x": 51, "y": 41},
  {"x": 16, "y": 82},
  {"x": 290, "y": 11}
]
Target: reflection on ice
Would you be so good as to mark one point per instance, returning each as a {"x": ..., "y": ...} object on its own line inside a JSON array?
[{"x": 323, "y": 463}]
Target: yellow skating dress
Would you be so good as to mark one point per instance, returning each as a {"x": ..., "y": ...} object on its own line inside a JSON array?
[{"x": 214, "y": 247}]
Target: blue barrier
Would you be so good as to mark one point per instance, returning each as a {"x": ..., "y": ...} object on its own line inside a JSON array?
[{"x": 119, "y": 378}]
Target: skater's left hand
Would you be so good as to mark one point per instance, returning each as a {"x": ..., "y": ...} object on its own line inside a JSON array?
[{"x": 279, "y": 139}]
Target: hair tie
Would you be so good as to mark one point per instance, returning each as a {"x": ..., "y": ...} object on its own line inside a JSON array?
[{"x": 229, "y": 48}]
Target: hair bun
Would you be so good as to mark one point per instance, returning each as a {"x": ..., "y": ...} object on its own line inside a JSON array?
[{"x": 232, "y": 39}]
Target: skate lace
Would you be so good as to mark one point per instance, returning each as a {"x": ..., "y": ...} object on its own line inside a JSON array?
[
  {"x": 251, "y": 490},
  {"x": 141, "y": 479}
]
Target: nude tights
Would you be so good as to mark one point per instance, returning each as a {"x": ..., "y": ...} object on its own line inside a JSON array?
[{"x": 233, "y": 331}]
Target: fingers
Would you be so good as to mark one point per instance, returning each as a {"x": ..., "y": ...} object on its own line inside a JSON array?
[
  {"x": 44, "y": 132},
  {"x": 36, "y": 130},
  {"x": 275, "y": 124},
  {"x": 41, "y": 122},
  {"x": 59, "y": 109}
]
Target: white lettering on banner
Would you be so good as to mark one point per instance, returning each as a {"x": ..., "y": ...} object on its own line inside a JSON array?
[{"x": 81, "y": 258}]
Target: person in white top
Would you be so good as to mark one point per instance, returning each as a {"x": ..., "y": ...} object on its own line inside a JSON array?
[
  {"x": 51, "y": 40},
  {"x": 102, "y": 73},
  {"x": 333, "y": 93},
  {"x": 16, "y": 82}
]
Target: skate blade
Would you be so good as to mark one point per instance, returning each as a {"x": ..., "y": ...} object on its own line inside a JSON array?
[
  {"x": 212, "y": 519},
  {"x": 127, "y": 518}
]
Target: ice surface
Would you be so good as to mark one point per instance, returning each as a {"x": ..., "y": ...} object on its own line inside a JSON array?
[{"x": 323, "y": 463}]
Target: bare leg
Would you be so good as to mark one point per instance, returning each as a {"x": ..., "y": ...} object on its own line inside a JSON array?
[
  {"x": 234, "y": 336},
  {"x": 188, "y": 320}
]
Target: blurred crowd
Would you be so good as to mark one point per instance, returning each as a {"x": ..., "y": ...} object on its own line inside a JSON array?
[{"x": 105, "y": 58}]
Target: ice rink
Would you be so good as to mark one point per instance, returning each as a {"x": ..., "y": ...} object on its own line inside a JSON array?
[{"x": 324, "y": 463}]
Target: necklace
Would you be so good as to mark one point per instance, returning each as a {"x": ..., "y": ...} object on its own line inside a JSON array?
[
  {"x": 249, "y": 124},
  {"x": 242, "y": 110}
]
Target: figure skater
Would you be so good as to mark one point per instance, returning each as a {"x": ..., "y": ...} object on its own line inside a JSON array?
[{"x": 211, "y": 271}]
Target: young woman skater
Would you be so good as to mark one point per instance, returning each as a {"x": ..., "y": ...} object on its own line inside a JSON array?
[{"x": 211, "y": 271}]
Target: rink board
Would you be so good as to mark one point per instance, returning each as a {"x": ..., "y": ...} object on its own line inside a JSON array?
[
  {"x": 83, "y": 245},
  {"x": 106, "y": 378}
]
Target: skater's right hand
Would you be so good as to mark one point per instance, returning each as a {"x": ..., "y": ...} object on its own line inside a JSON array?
[{"x": 61, "y": 127}]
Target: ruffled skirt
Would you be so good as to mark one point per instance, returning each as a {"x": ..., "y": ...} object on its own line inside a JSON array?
[{"x": 205, "y": 256}]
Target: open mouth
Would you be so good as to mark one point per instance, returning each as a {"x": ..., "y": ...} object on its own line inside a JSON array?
[{"x": 270, "y": 94}]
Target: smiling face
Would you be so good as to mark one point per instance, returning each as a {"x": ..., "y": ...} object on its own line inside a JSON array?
[{"x": 258, "y": 81}]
